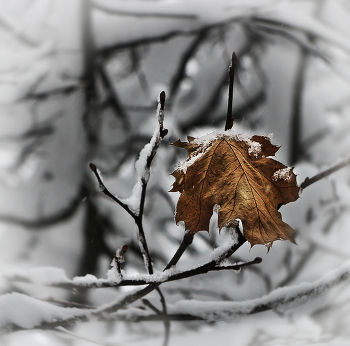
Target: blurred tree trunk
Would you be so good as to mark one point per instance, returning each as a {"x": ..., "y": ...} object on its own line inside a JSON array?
[{"x": 43, "y": 142}]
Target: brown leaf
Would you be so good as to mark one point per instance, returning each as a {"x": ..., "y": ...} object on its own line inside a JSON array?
[{"x": 234, "y": 173}]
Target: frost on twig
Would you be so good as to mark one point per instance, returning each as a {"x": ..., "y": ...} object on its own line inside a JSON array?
[
  {"x": 143, "y": 164},
  {"x": 134, "y": 205}
]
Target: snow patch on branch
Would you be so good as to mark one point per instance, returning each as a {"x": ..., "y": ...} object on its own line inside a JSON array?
[
  {"x": 45, "y": 275},
  {"x": 51, "y": 276},
  {"x": 142, "y": 165},
  {"x": 19, "y": 310}
]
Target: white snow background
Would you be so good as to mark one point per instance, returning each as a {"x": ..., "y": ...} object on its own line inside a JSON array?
[{"x": 45, "y": 150}]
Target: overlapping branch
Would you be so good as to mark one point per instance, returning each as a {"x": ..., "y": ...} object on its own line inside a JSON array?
[{"x": 280, "y": 299}]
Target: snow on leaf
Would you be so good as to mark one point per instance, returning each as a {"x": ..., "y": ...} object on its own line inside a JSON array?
[{"x": 235, "y": 175}]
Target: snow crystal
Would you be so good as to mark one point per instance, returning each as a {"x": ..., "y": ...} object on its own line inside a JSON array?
[
  {"x": 284, "y": 174},
  {"x": 183, "y": 166},
  {"x": 234, "y": 233},
  {"x": 216, "y": 208},
  {"x": 254, "y": 149}
]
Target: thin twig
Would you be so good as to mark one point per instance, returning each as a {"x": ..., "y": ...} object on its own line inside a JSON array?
[
  {"x": 113, "y": 98},
  {"x": 203, "y": 269},
  {"x": 147, "y": 303},
  {"x": 143, "y": 177},
  {"x": 157, "y": 137},
  {"x": 278, "y": 30},
  {"x": 279, "y": 299},
  {"x": 186, "y": 242},
  {"x": 180, "y": 73},
  {"x": 108, "y": 193},
  {"x": 231, "y": 73},
  {"x": 309, "y": 181},
  {"x": 119, "y": 258},
  {"x": 166, "y": 321}
]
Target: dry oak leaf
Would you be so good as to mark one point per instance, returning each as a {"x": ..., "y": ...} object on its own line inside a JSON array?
[{"x": 234, "y": 175}]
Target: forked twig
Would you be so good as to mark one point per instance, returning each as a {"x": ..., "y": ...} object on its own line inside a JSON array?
[
  {"x": 104, "y": 190},
  {"x": 143, "y": 165}
]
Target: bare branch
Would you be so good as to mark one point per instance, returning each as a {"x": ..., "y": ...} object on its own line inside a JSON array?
[
  {"x": 147, "y": 303},
  {"x": 143, "y": 166},
  {"x": 186, "y": 242},
  {"x": 112, "y": 95},
  {"x": 278, "y": 30},
  {"x": 50, "y": 220},
  {"x": 112, "y": 8},
  {"x": 309, "y": 181}
]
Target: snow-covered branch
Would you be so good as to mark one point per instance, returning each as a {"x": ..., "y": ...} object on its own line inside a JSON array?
[
  {"x": 19, "y": 311},
  {"x": 280, "y": 299},
  {"x": 46, "y": 315},
  {"x": 57, "y": 278},
  {"x": 143, "y": 164}
]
